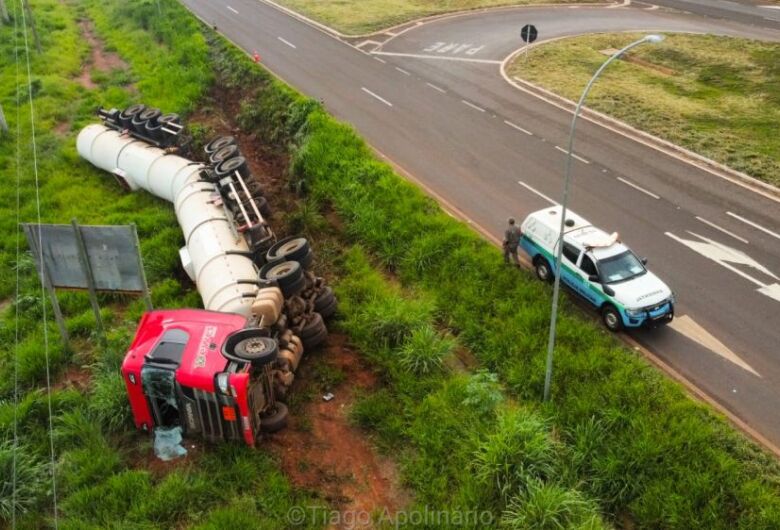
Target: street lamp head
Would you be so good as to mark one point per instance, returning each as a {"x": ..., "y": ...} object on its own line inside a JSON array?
[{"x": 655, "y": 39}]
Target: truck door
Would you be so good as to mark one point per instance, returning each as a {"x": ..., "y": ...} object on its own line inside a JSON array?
[
  {"x": 569, "y": 258},
  {"x": 590, "y": 290}
]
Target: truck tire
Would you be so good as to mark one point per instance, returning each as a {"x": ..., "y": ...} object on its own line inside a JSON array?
[
  {"x": 290, "y": 248},
  {"x": 127, "y": 115},
  {"x": 218, "y": 143},
  {"x": 325, "y": 304},
  {"x": 288, "y": 275},
  {"x": 226, "y": 168},
  {"x": 275, "y": 419},
  {"x": 543, "y": 270},
  {"x": 313, "y": 332},
  {"x": 260, "y": 351},
  {"x": 611, "y": 318},
  {"x": 229, "y": 151}
]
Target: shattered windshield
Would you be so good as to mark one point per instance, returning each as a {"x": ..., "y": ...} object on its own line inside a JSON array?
[{"x": 160, "y": 387}]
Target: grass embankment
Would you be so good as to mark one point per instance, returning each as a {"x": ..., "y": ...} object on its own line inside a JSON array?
[
  {"x": 355, "y": 17},
  {"x": 645, "y": 452},
  {"x": 717, "y": 96},
  {"x": 106, "y": 474}
]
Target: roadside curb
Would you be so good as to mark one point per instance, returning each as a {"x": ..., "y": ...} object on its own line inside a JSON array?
[{"x": 716, "y": 168}]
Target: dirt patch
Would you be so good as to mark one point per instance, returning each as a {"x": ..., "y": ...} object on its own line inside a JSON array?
[
  {"x": 641, "y": 62},
  {"x": 99, "y": 59},
  {"x": 76, "y": 377},
  {"x": 321, "y": 450}
]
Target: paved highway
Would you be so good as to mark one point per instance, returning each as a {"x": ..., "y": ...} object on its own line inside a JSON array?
[{"x": 433, "y": 101}]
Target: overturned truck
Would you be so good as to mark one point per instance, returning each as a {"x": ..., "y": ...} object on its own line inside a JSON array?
[{"x": 222, "y": 372}]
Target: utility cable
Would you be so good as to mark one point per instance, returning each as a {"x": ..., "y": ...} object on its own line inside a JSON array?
[
  {"x": 15, "y": 443},
  {"x": 43, "y": 290}
]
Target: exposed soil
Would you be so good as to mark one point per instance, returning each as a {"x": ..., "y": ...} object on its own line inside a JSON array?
[
  {"x": 320, "y": 450},
  {"x": 99, "y": 59},
  {"x": 75, "y": 377}
]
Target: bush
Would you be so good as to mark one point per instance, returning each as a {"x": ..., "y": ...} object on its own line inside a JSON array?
[
  {"x": 33, "y": 479},
  {"x": 550, "y": 507},
  {"x": 424, "y": 350}
]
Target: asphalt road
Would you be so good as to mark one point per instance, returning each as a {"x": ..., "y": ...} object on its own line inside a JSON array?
[{"x": 451, "y": 122}]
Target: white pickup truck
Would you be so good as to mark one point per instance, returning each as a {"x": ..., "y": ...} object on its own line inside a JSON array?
[{"x": 598, "y": 267}]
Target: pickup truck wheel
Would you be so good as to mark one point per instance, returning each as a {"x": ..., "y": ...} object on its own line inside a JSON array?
[
  {"x": 543, "y": 270},
  {"x": 275, "y": 419},
  {"x": 611, "y": 318}
]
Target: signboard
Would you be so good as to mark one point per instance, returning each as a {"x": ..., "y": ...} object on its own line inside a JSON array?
[
  {"x": 529, "y": 33},
  {"x": 96, "y": 258},
  {"x": 111, "y": 252}
]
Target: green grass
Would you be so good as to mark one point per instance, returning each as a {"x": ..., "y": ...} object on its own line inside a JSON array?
[
  {"x": 363, "y": 16},
  {"x": 104, "y": 479},
  {"x": 717, "y": 96}
]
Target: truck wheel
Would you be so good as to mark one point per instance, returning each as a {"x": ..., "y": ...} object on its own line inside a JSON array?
[
  {"x": 257, "y": 350},
  {"x": 227, "y": 167},
  {"x": 290, "y": 248},
  {"x": 611, "y": 318},
  {"x": 543, "y": 270},
  {"x": 218, "y": 143},
  {"x": 326, "y": 303},
  {"x": 275, "y": 419},
  {"x": 313, "y": 333},
  {"x": 229, "y": 151}
]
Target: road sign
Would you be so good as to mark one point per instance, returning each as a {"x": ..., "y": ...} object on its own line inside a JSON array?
[
  {"x": 529, "y": 33},
  {"x": 95, "y": 258}
]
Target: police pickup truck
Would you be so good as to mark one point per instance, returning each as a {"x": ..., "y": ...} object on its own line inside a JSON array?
[{"x": 598, "y": 267}]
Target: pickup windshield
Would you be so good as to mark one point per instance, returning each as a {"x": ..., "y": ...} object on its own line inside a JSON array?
[{"x": 620, "y": 268}]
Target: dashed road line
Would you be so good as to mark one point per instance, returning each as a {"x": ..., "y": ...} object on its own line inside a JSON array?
[
  {"x": 380, "y": 60},
  {"x": 754, "y": 225},
  {"x": 539, "y": 193},
  {"x": 233, "y": 10},
  {"x": 436, "y": 88},
  {"x": 514, "y": 126},
  {"x": 380, "y": 98},
  {"x": 439, "y": 57},
  {"x": 728, "y": 233},
  {"x": 578, "y": 157},
  {"x": 480, "y": 109},
  {"x": 402, "y": 71},
  {"x": 639, "y": 188},
  {"x": 288, "y": 43}
]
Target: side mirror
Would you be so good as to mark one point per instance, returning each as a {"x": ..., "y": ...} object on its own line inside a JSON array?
[
  {"x": 593, "y": 278},
  {"x": 644, "y": 261},
  {"x": 608, "y": 290}
]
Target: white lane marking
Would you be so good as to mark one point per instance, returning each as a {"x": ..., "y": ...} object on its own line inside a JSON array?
[
  {"x": 770, "y": 7},
  {"x": 233, "y": 10},
  {"x": 402, "y": 71},
  {"x": 436, "y": 88},
  {"x": 754, "y": 225},
  {"x": 380, "y": 98},
  {"x": 578, "y": 157},
  {"x": 539, "y": 193},
  {"x": 724, "y": 255},
  {"x": 651, "y": 8},
  {"x": 685, "y": 325},
  {"x": 380, "y": 60},
  {"x": 288, "y": 43},
  {"x": 375, "y": 43},
  {"x": 716, "y": 227},
  {"x": 472, "y": 105},
  {"x": 529, "y": 133},
  {"x": 629, "y": 183},
  {"x": 439, "y": 57}
]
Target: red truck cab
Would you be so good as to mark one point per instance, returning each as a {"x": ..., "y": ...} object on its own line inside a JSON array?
[{"x": 178, "y": 373}]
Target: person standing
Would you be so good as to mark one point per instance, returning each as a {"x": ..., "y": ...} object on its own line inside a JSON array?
[{"x": 511, "y": 242}]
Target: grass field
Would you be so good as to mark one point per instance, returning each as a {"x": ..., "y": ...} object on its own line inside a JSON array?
[
  {"x": 717, "y": 96},
  {"x": 364, "y": 16}
]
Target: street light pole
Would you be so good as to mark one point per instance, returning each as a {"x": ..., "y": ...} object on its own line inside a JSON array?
[{"x": 567, "y": 178}]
